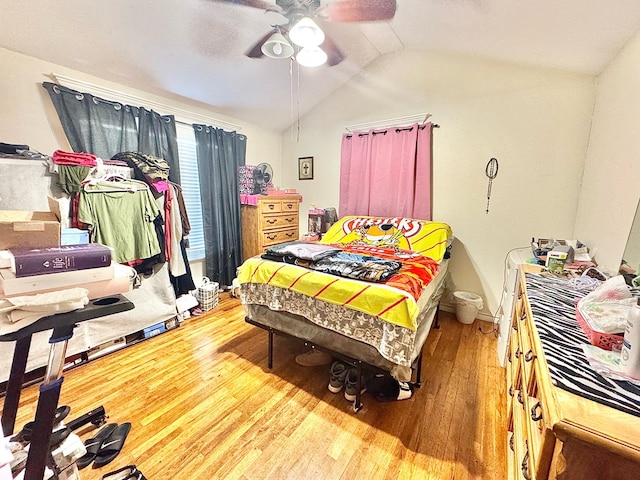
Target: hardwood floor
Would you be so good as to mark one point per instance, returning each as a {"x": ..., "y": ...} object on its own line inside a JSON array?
[{"x": 203, "y": 405}]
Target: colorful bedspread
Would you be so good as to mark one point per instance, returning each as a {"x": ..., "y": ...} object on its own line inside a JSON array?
[{"x": 394, "y": 300}]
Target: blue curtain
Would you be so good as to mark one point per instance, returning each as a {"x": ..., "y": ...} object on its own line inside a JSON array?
[
  {"x": 219, "y": 155},
  {"x": 104, "y": 127},
  {"x": 92, "y": 124},
  {"x": 157, "y": 136}
]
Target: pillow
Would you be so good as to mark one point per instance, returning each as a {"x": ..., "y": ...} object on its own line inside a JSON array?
[{"x": 398, "y": 235}]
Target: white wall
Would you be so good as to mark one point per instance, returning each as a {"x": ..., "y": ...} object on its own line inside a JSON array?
[
  {"x": 535, "y": 122},
  {"x": 611, "y": 184},
  {"x": 27, "y": 114}
]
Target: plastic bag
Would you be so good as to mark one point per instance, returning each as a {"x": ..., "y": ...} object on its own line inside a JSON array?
[
  {"x": 607, "y": 307},
  {"x": 207, "y": 294}
]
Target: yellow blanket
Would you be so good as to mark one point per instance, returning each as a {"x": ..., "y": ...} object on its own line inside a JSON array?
[
  {"x": 419, "y": 245},
  {"x": 388, "y": 303}
]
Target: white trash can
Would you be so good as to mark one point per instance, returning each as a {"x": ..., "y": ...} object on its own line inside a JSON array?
[{"x": 467, "y": 306}]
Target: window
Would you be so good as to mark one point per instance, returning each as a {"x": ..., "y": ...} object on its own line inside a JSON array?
[{"x": 190, "y": 182}]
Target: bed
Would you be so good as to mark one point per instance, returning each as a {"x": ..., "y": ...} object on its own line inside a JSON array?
[{"x": 367, "y": 318}]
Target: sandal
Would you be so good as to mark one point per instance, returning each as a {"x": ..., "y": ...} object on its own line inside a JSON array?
[
  {"x": 130, "y": 472},
  {"x": 93, "y": 444},
  {"x": 24, "y": 436},
  {"x": 112, "y": 446}
]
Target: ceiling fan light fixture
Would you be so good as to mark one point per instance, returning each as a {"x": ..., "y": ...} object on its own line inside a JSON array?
[
  {"x": 311, "y": 57},
  {"x": 306, "y": 33},
  {"x": 277, "y": 47}
]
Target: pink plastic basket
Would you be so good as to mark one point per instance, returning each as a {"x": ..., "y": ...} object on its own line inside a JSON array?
[{"x": 606, "y": 341}]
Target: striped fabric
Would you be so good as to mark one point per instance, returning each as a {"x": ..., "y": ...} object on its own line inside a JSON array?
[{"x": 553, "y": 303}]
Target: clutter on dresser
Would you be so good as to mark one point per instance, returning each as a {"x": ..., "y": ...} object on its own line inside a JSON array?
[
  {"x": 602, "y": 314},
  {"x": 255, "y": 179},
  {"x": 562, "y": 256},
  {"x": 320, "y": 219}
]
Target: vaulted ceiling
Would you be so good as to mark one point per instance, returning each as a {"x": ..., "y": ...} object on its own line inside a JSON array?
[{"x": 195, "y": 48}]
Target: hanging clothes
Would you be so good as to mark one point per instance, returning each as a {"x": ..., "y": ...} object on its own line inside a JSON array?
[
  {"x": 121, "y": 215},
  {"x": 147, "y": 168},
  {"x": 184, "y": 283},
  {"x": 70, "y": 177}
]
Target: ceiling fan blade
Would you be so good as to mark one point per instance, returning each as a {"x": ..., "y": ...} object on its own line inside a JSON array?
[
  {"x": 360, "y": 10},
  {"x": 256, "y": 50},
  {"x": 261, "y": 4},
  {"x": 334, "y": 55}
]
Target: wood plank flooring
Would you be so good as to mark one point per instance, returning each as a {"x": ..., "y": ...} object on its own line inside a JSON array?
[{"x": 203, "y": 405}]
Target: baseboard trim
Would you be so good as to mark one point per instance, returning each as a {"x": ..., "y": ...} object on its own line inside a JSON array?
[{"x": 485, "y": 317}]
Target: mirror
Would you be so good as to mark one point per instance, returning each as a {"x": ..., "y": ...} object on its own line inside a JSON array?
[{"x": 630, "y": 265}]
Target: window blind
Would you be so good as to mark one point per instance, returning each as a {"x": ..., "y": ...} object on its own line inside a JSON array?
[{"x": 190, "y": 182}]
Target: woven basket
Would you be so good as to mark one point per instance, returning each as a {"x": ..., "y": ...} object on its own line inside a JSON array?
[{"x": 207, "y": 294}]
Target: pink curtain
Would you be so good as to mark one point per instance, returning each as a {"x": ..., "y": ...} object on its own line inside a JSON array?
[{"x": 387, "y": 173}]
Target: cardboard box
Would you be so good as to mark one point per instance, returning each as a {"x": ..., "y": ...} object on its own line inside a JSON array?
[
  {"x": 556, "y": 260},
  {"x": 21, "y": 228}
]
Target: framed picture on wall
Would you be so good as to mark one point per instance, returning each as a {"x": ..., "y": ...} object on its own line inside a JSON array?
[{"x": 305, "y": 168}]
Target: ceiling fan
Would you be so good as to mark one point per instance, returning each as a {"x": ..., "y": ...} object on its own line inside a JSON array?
[{"x": 313, "y": 46}]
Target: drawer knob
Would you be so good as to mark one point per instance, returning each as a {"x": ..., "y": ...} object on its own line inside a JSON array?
[
  {"x": 271, "y": 221},
  {"x": 518, "y": 353},
  {"x": 519, "y": 397},
  {"x": 289, "y": 206},
  {"x": 511, "y": 391},
  {"x": 290, "y": 234},
  {"x": 523, "y": 317},
  {"x": 272, "y": 237},
  {"x": 536, "y": 412},
  {"x": 511, "y": 443},
  {"x": 271, "y": 207},
  {"x": 289, "y": 219},
  {"x": 529, "y": 356}
]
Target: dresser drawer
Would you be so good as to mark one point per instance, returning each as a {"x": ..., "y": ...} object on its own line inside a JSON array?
[
  {"x": 268, "y": 222},
  {"x": 514, "y": 372},
  {"x": 277, "y": 206},
  {"x": 270, "y": 206},
  {"x": 290, "y": 205},
  {"x": 520, "y": 442},
  {"x": 279, "y": 236},
  {"x": 528, "y": 355},
  {"x": 541, "y": 439}
]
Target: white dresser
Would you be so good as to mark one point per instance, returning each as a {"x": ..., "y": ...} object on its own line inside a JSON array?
[{"x": 514, "y": 258}]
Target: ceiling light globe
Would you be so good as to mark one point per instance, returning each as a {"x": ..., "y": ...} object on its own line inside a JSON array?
[
  {"x": 311, "y": 57},
  {"x": 277, "y": 47},
  {"x": 306, "y": 33}
]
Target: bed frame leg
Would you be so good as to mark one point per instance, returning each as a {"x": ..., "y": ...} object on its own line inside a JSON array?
[
  {"x": 270, "y": 350},
  {"x": 418, "y": 382},
  {"x": 357, "y": 403},
  {"x": 437, "y": 319}
]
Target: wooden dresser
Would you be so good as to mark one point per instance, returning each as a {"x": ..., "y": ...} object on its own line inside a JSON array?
[
  {"x": 554, "y": 433},
  {"x": 274, "y": 220}
]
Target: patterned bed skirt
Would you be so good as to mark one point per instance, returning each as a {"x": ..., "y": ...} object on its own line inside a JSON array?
[{"x": 398, "y": 346}]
